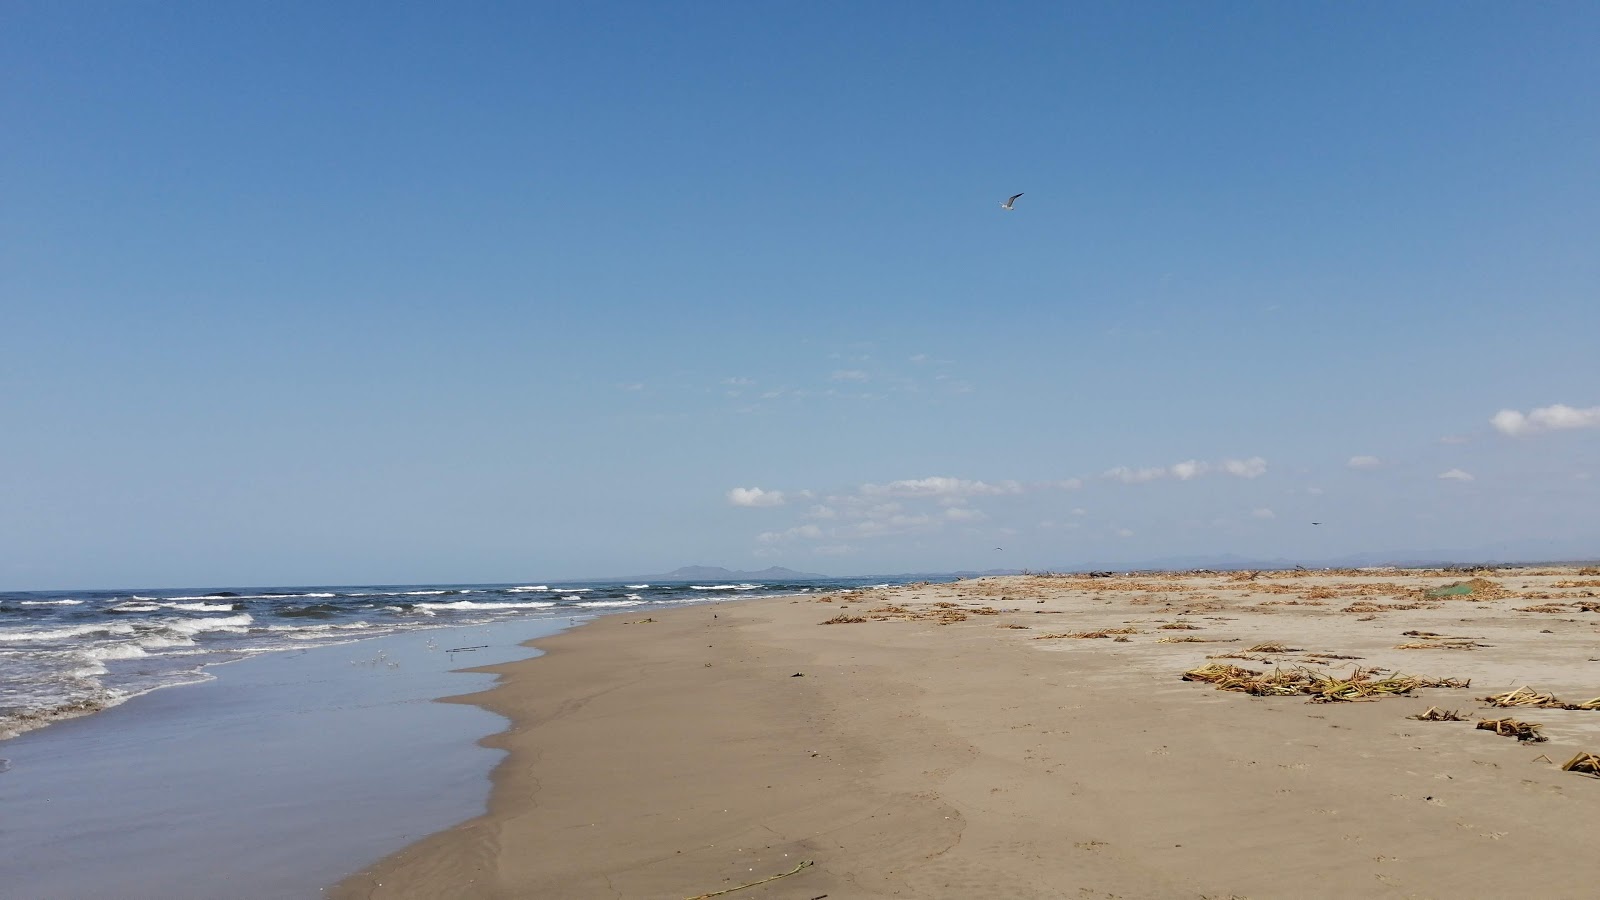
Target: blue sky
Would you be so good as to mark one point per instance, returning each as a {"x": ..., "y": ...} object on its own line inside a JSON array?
[{"x": 361, "y": 292}]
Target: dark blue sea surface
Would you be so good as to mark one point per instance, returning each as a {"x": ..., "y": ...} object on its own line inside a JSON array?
[{"x": 70, "y": 653}]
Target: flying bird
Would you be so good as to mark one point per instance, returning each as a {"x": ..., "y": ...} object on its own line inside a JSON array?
[{"x": 1007, "y": 206}]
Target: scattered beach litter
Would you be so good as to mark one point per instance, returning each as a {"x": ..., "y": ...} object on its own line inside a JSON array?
[
  {"x": 1523, "y": 731},
  {"x": 1359, "y": 685},
  {"x": 1527, "y": 697},
  {"x": 1435, "y": 714},
  {"x": 803, "y": 865},
  {"x": 1179, "y": 626},
  {"x": 1583, "y": 764}
]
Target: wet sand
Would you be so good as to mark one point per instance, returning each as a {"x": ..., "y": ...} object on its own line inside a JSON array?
[{"x": 958, "y": 744}]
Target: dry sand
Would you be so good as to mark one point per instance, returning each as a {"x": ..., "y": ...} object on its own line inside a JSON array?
[{"x": 944, "y": 752}]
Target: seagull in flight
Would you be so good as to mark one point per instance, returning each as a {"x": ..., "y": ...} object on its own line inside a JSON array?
[{"x": 1007, "y": 206}]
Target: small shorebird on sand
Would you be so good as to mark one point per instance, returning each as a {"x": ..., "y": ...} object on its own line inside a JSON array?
[{"x": 1008, "y": 205}]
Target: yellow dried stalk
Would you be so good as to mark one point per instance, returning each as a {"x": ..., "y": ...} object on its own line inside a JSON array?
[
  {"x": 1583, "y": 764},
  {"x": 1435, "y": 714},
  {"x": 1529, "y": 698},
  {"x": 1522, "y": 731}
]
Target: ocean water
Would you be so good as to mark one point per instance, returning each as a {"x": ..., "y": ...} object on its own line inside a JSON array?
[
  {"x": 315, "y": 753},
  {"x": 65, "y": 654}
]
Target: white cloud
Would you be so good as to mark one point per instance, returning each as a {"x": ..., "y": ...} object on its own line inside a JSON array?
[
  {"x": 1183, "y": 471},
  {"x": 1364, "y": 462},
  {"x": 1135, "y": 476},
  {"x": 739, "y": 381},
  {"x": 755, "y": 496},
  {"x": 1263, "y": 513},
  {"x": 919, "y": 357},
  {"x": 1186, "y": 470},
  {"x": 1245, "y": 468},
  {"x": 941, "y": 486},
  {"x": 1079, "y": 511},
  {"x": 1456, "y": 475},
  {"x": 964, "y": 514},
  {"x": 848, "y": 375},
  {"x": 1314, "y": 491},
  {"x": 833, "y": 549},
  {"x": 1558, "y": 417},
  {"x": 822, "y": 511},
  {"x": 1124, "y": 532}
]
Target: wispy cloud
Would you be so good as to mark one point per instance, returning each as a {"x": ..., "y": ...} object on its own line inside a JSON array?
[
  {"x": 739, "y": 381},
  {"x": 1253, "y": 467},
  {"x": 1364, "y": 462},
  {"x": 1457, "y": 475},
  {"x": 1262, "y": 512},
  {"x": 754, "y": 496},
  {"x": 848, "y": 375},
  {"x": 940, "y": 486},
  {"x": 1558, "y": 417},
  {"x": 799, "y": 531}
]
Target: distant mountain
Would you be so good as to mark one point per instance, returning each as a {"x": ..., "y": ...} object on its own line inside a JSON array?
[{"x": 718, "y": 573}]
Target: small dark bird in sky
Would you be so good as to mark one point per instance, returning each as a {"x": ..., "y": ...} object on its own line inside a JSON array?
[
  {"x": 1008, "y": 205},
  {"x": 1316, "y": 523}
]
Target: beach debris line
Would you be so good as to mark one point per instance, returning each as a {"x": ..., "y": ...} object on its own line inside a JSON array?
[
  {"x": 842, "y": 619},
  {"x": 1087, "y": 635},
  {"x": 1583, "y": 764},
  {"x": 1435, "y": 714},
  {"x": 1528, "y": 698},
  {"x": 1360, "y": 685},
  {"x": 803, "y": 865}
]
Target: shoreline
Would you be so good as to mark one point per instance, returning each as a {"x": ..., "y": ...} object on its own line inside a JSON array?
[
  {"x": 940, "y": 751},
  {"x": 281, "y": 773}
]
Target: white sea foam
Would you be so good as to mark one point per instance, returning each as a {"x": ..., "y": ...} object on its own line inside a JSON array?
[
  {"x": 636, "y": 587},
  {"x": 50, "y": 603},
  {"x": 201, "y": 607},
  {"x": 430, "y": 593},
  {"x": 635, "y": 597},
  {"x": 135, "y": 607},
  {"x": 235, "y": 624},
  {"x": 216, "y": 599},
  {"x": 116, "y": 651},
  {"x": 527, "y": 588},
  {"x": 573, "y": 590},
  {"x": 478, "y": 604},
  {"x": 58, "y": 634},
  {"x": 724, "y": 587},
  {"x": 597, "y": 604}
]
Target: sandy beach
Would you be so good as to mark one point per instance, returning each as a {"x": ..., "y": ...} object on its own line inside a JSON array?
[{"x": 1034, "y": 737}]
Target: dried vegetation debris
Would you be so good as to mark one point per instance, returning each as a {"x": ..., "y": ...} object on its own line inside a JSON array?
[
  {"x": 1583, "y": 764},
  {"x": 1435, "y": 714},
  {"x": 1321, "y": 687},
  {"x": 1508, "y": 727},
  {"x": 1528, "y": 698}
]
